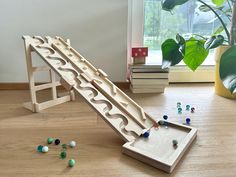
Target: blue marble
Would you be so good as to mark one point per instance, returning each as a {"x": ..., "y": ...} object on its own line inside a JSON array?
[
  {"x": 165, "y": 117},
  {"x": 188, "y": 120},
  {"x": 146, "y": 134}
]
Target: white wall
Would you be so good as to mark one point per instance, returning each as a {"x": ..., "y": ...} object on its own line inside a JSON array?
[{"x": 97, "y": 29}]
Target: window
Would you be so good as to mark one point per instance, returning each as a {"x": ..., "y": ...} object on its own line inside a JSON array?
[
  {"x": 149, "y": 26},
  {"x": 186, "y": 19}
]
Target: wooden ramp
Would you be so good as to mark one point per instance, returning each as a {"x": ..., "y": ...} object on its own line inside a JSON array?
[{"x": 123, "y": 114}]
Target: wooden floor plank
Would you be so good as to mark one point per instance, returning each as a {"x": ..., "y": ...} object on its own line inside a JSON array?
[{"x": 98, "y": 153}]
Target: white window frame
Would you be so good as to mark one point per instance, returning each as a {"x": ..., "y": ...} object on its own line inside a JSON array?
[{"x": 135, "y": 39}]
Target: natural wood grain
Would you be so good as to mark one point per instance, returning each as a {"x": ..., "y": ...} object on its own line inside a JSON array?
[
  {"x": 129, "y": 120},
  {"x": 158, "y": 150},
  {"x": 25, "y": 86},
  {"x": 99, "y": 147},
  {"x": 34, "y": 105},
  {"x": 70, "y": 71}
]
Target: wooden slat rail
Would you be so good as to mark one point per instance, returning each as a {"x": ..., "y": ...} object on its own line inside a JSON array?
[
  {"x": 121, "y": 122},
  {"x": 102, "y": 83}
]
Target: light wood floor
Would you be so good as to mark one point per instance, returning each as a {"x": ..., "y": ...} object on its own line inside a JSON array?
[{"x": 213, "y": 154}]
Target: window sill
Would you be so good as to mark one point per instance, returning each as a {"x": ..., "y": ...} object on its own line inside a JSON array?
[
  {"x": 180, "y": 73},
  {"x": 183, "y": 74}
]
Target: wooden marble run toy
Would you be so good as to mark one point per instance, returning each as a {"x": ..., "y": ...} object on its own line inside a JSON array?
[{"x": 123, "y": 114}]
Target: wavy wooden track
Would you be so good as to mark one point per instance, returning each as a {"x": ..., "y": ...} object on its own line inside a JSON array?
[
  {"x": 101, "y": 82},
  {"x": 125, "y": 126}
]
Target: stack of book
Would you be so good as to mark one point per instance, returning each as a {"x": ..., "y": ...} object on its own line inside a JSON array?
[{"x": 148, "y": 78}]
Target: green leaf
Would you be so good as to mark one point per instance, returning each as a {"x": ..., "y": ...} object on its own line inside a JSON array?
[
  {"x": 204, "y": 8},
  {"x": 218, "y": 2},
  {"x": 170, "y": 53},
  {"x": 218, "y": 30},
  {"x": 227, "y": 69},
  {"x": 234, "y": 33},
  {"x": 209, "y": 42},
  {"x": 228, "y": 12},
  {"x": 181, "y": 43},
  {"x": 195, "y": 53},
  {"x": 234, "y": 36},
  {"x": 168, "y": 5},
  {"x": 213, "y": 42},
  {"x": 180, "y": 39}
]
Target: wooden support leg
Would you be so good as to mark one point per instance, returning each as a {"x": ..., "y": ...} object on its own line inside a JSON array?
[
  {"x": 54, "y": 87},
  {"x": 29, "y": 64},
  {"x": 33, "y": 105}
]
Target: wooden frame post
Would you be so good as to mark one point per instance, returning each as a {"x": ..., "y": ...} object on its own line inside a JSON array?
[{"x": 33, "y": 105}]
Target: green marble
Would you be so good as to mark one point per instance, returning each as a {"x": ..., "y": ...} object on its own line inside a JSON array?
[
  {"x": 71, "y": 163},
  {"x": 50, "y": 140},
  {"x": 64, "y": 146},
  {"x": 63, "y": 155}
]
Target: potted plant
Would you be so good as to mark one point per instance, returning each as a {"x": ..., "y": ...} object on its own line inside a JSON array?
[{"x": 193, "y": 51}]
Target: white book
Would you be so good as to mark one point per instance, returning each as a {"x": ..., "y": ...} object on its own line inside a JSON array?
[
  {"x": 150, "y": 75},
  {"x": 149, "y": 81},
  {"x": 148, "y": 86},
  {"x": 145, "y": 66},
  {"x": 149, "y": 70},
  {"x": 155, "y": 90}
]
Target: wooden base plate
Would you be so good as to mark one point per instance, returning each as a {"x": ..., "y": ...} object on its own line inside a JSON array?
[{"x": 157, "y": 150}]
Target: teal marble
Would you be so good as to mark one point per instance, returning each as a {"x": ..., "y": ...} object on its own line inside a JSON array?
[
  {"x": 40, "y": 148},
  {"x": 174, "y": 142}
]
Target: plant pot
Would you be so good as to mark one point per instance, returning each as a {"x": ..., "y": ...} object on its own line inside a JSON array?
[{"x": 219, "y": 87}]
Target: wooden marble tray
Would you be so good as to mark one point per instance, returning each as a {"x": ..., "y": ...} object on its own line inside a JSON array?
[{"x": 157, "y": 150}]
